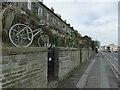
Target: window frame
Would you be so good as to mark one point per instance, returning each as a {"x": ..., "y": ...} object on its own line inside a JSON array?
[{"x": 29, "y": 5}]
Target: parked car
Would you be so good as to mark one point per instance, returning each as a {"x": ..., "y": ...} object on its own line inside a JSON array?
[{"x": 115, "y": 50}]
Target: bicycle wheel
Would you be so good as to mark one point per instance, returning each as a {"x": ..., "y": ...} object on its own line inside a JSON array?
[
  {"x": 43, "y": 40},
  {"x": 21, "y": 35}
]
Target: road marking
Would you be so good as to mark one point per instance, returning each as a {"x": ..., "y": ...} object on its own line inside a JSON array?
[
  {"x": 114, "y": 69},
  {"x": 112, "y": 57},
  {"x": 116, "y": 59}
]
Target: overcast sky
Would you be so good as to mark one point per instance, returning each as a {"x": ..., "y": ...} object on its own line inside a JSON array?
[{"x": 97, "y": 19}]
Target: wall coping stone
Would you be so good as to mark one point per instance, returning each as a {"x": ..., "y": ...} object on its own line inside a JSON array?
[
  {"x": 22, "y": 50},
  {"x": 67, "y": 48}
]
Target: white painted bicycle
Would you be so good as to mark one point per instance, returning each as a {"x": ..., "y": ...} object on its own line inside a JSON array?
[{"x": 22, "y": 35}]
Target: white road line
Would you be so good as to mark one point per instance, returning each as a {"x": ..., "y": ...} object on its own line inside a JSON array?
[
  {"x": 112, "y": 57},
  {"x": 116, "y": 59},
  {"x": 115, "y": 70},
  {"x": 111, "y": 63}
]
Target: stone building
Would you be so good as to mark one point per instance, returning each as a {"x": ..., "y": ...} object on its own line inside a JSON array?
[
  {"x": 41, "y": 13},
  {"x": 34, "y": 67},
  {"x": 113, "y": 47}
]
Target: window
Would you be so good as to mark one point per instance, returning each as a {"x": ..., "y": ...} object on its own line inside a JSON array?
[
  {"x": 40, "y": 11},
  {"x": 34, "y": 8},
  {"x": 47, "y": 16},
  {"x": 58, "y": 24},
  {"x": 50, "y": 17},
  {"x": 64, "y": 28},
  {"x": 53, "y": 20},
  {"x": 29, "y": 4}
]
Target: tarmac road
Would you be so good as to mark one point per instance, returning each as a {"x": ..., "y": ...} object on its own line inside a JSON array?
[
  {"x": 101, "y": 75},
  {"x": 113, "y": 57},
  {"x": 94, "y": 73}
]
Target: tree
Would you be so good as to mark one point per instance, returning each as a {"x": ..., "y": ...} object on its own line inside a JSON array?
[
  {"x": 97, "y": 44},
  {"x": 87, "y": 41}
]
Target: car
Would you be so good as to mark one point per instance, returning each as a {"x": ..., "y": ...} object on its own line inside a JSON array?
[{"x": 115, "y": 50}]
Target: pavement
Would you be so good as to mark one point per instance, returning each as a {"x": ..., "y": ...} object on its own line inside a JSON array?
[
  {"x": 94, "y": 76},
  {"x": 93, "y": 73},
  {"x": 75, "y": 75}
]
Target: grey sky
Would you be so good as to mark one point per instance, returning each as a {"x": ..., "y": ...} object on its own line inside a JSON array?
[{"x": 97, "y": 19}]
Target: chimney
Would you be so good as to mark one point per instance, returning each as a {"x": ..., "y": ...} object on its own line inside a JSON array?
[
  {"x": 69, "y": 24},
  {"x": 41, "y": 1},
  {"x": 59, "y": 15},
  {"x": 52, "y": 9},
  {"x": 65, "y": 21}
]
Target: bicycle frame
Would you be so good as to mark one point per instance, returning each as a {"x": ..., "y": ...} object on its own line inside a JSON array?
[
  {"x": 37, "y": 31},
  {"x": 26, "y": 34}
]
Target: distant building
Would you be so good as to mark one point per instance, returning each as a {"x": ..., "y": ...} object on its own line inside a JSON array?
[
  {"x": 110, "y": 47},
  {"x": 113, "y": 47},
  {"x": 102, "y": 48}
]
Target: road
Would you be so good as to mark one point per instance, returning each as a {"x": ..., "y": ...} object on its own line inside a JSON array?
[
  {"x": 113, "y": 57},
  {"x": 103, "y": 74}
]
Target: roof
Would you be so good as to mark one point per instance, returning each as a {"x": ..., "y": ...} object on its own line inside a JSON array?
[
  {"x": 112, "y": 45},
  {"x": 55, "y": 14}
]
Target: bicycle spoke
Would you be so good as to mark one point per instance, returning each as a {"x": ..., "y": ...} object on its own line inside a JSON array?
[
  {"x": 18, "y": 40},
  {"x": 21, "y": 35},
  {"x": 27, "y": 30},
  {"x": 17, "y": 27},
  {"x": 45, "y": 40},
  {"x": 29, "y": 39},
  {"x": 15, "y": 30},
  {"x": 21, "y": 31},
  {"x": 21, "y": 42}
]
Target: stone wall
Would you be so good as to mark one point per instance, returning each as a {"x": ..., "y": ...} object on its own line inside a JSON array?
[
  {"x": 28, "y": 67},
  {"x": 85, "y": 54},
  {"x": 24, "y": 68},
  {"x": 68, "y": 60},
  {"x": 91, "y": 53},
  {"x": 0, "y": 66}
]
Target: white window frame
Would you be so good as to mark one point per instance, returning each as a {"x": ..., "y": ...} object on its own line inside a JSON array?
[
  {"x": 47, "y": 16},
  {"x": 29, "y": 4},
  {"x": 40, "y": 11}
]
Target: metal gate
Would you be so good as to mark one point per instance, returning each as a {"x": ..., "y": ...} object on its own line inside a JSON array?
[{"x": 53, "y": 56}]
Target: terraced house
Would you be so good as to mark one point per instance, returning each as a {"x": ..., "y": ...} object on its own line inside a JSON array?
[
  {"x": 38, "y": 67},
  {"x": 35, "y": 14}
]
